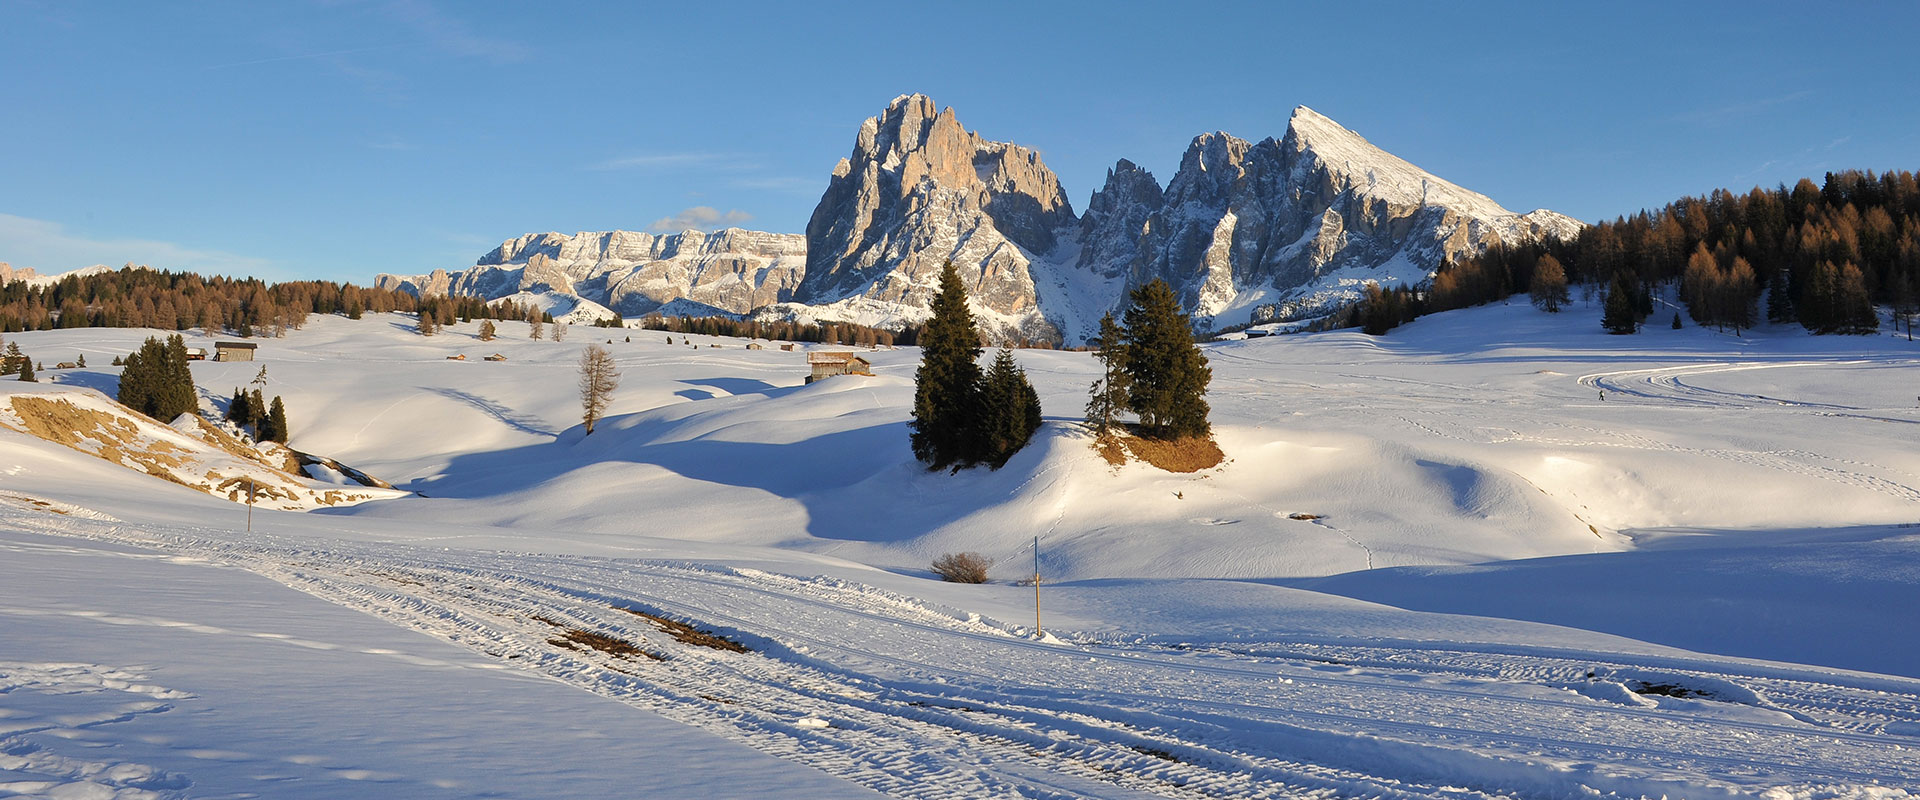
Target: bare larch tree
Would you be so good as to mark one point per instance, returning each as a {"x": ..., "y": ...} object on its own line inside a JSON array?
[{"x": 598, "y": 379}]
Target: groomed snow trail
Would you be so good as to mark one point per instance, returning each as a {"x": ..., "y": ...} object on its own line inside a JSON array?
[{"x": 917, "y": 701}]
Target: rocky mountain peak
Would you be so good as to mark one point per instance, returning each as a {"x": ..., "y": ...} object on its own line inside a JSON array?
[{"x": 919, "y": 190}]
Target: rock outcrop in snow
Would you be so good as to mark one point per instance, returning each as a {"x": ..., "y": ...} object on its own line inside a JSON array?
[{"x": 1278, "y": 229}]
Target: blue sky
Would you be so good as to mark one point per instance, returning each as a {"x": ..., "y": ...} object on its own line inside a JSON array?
[{"x": 342, "y": 139}]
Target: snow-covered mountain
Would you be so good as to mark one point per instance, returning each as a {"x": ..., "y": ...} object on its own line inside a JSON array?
[
  {"x": 1280, "y": 229},
  {"x": 10, "y": 273},
  {"x": 732, "y": 271}
]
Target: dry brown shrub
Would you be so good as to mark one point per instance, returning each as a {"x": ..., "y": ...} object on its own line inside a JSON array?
[{"x": 962, "y": 567}]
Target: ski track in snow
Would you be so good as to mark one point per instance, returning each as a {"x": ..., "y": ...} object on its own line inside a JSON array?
[{"x": 928, "y": 702}]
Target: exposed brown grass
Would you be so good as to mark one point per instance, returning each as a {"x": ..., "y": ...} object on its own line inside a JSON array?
[
  {"x": 687, "y": 634},
  {"x": 1185, "y": 454},
  {"x": 1304, "y": 517},
  {"x": 575, "y": 638},
  {"x": 1109, "y": 447}
]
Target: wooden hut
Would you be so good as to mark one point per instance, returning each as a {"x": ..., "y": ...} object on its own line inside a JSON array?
[
  {"x": 829, "y": 364},
  {"x": 234, "y": 351}
]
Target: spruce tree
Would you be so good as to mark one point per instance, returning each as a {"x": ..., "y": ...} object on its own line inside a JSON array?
[
  {"x": 26, "y": 372},
  {"x": 1012, "y": 409},
  {"x": 1619, "y": 317},
  {"x": 1107, "y": 397},
  {"x": 1167, "y": 376},
  {"x": 1779, "y": 298},
  {"x": 946, "y": 388},
  {"x": 156, "y": 380},
  {"x": 276, "y": 422},
  {"x": 237, "y": 411}
]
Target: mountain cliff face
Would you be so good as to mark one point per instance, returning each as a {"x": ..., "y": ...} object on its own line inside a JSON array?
[
  {"x": 918, "y": 191},
  {"x": 731, "y": 271},
  {"x": 1287, "y": 228},
  {"x": 1273, "y": 230}
]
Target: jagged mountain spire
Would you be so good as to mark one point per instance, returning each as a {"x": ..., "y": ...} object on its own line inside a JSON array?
[{"x": 918, "y": 191}]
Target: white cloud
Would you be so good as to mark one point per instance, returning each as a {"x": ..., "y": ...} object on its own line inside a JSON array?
[
  {"x": 48, "y": 248},
  {"x": 699, "y": 218}
]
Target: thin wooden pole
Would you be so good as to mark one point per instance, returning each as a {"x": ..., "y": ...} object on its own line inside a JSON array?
[
  {"x": 250, "y": 486},
  {"x": 1039, "y": 632}
]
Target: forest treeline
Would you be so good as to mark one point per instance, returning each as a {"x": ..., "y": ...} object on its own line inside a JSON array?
[
  {"x": 137, "y": 297},
  {"x": 1819, "y": 255},
  {"x": 846, "y": 333}
]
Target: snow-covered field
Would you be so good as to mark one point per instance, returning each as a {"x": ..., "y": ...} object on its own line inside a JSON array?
[{"x": 1437, "y": 564}]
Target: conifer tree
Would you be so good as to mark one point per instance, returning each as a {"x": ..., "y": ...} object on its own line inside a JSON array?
[
  {"x": 274, "y": 429},
  {"x": 156, "y": 381},
  {"x": 1619, "y": 316},
  {"x": 487, "y": 331},
  {"x": 1167, "y": 376},
  {"x": 13, "y": 358},
  {"x": 1012, "y": 409},
  {"x": 1779, "y": 298},
  {"x": 1108, "y": 394},
  {"x": 238, "y": 412},
  {"x": 26, "y": 372},
  {"x": 1549, "y": 287},
  {"x": 947, "y": 408},
  {"x": 1676, "y": 321}
]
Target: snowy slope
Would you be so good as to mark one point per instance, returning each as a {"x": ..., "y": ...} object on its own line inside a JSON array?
[{"x": 1677, "y": 590}]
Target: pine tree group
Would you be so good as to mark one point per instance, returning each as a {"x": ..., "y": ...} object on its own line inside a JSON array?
[
  {"x": 962, "y": 417},
  {"x": 250, "y": 409},
  {"x": 155, "y": 380}
]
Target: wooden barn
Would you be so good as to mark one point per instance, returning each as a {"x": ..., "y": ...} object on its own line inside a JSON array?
[
  {"x": 829, "y": 364},
  {"x": 234, "y": 351}
]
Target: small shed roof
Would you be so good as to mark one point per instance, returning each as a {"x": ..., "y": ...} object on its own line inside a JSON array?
[{"x": 236, "y": 345}]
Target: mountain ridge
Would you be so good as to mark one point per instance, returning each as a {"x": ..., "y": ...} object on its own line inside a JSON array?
[{"x": 1246, "y": 232}]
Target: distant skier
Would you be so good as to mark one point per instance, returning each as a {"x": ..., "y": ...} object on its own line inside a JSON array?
[{"x": 1603, "y": 395}]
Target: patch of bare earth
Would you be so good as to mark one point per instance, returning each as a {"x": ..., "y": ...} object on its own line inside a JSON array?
[
  {"x": 577, "y": 638},
  {"x": 687, "y": 634},
  {"x": 1185, "y": 454}
]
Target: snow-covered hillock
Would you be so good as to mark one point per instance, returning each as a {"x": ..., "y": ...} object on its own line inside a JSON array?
[{"x": 192, "y": 452}]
